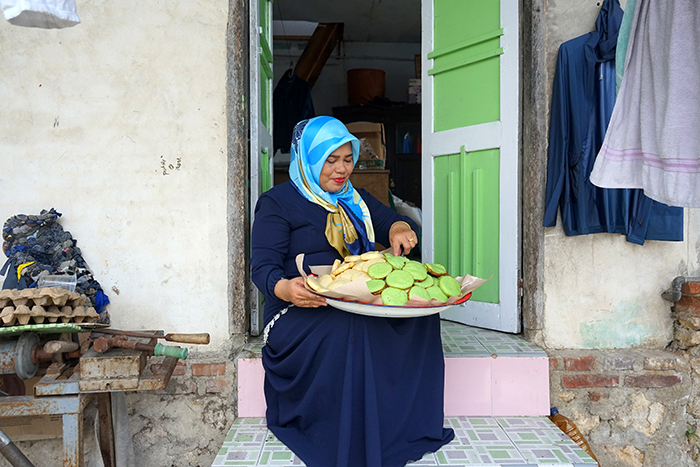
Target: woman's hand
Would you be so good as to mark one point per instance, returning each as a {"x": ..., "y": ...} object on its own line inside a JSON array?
[
  {"x": 293, "y": 290},
  {"x": 402, "y": 236}
]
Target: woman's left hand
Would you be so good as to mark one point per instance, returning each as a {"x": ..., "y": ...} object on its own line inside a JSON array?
[{"x": 402, "y": 236}]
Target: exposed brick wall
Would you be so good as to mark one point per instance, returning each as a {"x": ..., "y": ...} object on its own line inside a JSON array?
[
  {"x": 199, "y": 377},
  {"x": 632, "y": 406}
]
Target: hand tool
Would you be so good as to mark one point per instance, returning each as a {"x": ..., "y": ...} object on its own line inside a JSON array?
[
  {"x": 201, "y": 338},
  {"x": 102, "y": 344}
]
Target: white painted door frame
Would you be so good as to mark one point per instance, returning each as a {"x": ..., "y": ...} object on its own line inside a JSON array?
[
  {"x": 504, "y": 134},
  {"x": 260, "y": 138}
]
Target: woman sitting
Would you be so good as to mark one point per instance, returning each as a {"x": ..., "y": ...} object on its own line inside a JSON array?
[{"x": 342, "y": 389}]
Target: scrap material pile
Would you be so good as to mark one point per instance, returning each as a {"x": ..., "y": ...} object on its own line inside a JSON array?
[
  {"x": 50, "y": 304},
  {"x": 37, "y": 247}
]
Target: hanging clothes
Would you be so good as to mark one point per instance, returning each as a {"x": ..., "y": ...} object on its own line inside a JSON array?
[
  {"x": 582, "y": 103},
  {"x": 653, "y": 141},
  {"x": 623, "y": 39},
  {"x": 291, "y": 103},
  {"x": 45, "y": 14}
]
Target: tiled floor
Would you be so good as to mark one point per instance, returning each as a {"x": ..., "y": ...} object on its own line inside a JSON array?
[
  {"x": 509, "y": 441},
  {"x": 459, "y": 340}
]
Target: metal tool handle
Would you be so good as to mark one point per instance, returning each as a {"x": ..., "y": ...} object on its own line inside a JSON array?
[
  {"x": 11, "y": 452},
  {"x": 170, "y": 351},
  {"x": 202, "y": 338}
]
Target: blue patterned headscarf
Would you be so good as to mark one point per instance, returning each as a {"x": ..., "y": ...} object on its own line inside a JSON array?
[{"x": 348, "y": 225}]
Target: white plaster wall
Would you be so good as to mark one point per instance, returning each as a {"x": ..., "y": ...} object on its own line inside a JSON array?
[
  {"x": 600, "y": 290},
  {"x": 89, "y": 114}
]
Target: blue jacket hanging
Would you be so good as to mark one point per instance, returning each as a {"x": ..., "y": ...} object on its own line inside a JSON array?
[{"x": 583, "y": 98}]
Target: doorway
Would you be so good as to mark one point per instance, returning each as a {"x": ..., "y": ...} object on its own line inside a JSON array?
[
  {"x": 374, "y": 43},
  {"x": 469, "y": 150}
]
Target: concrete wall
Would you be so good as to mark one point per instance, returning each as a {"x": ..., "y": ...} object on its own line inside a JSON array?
[
  {"x": 119, "y": 123},
  {"x": 601, "y": 291}
]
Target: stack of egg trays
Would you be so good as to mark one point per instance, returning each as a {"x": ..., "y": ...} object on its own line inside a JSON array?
[{"x": 52, "y": 304}]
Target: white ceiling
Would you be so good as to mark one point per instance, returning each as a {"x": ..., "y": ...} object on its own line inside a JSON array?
[{"x": 365, "y": 20}]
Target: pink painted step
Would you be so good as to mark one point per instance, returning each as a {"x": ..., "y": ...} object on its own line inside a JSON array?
[{"x": 486, "y": 374}]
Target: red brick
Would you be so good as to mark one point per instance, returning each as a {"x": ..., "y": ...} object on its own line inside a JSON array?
[
  {"x": 579, "y": 364},
  {"x": 216, "y": 385},
  {"x": 589, "y": 381},
  {"x": 178, "y": 371},
  {"x": 177, "y": 387},
  {"x": 208, "y": 369},
  {"x": 692, "y": 288},
  {"x": 653, "y": 381},
  {"x": 660, "y": 363},
  {"x": 619, "y": 363},
  {"x": 688, "y": 303},
  {"x": 553, "y": 363},
  {"x": 596, "y": 395}
]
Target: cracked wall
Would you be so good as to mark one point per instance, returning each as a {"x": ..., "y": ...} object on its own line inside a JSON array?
[
  {"x": 601, "y": 291},
  {"x": 120, "y": 124}
]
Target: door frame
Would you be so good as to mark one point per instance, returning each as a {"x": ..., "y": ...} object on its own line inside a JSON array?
[
  {"x": 483, "y": 136},
  {"x": 535, "y": 97}
]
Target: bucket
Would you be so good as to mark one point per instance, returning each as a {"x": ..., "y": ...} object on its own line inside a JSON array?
[{"x": 364, "y": 84}]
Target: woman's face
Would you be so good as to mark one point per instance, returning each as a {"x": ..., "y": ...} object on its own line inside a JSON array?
[{"x": 337, "y": 169}]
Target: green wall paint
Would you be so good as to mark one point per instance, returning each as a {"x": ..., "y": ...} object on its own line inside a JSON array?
[
  {"x": 466, "y": 217},
  {"x": 628, "y": 325}
]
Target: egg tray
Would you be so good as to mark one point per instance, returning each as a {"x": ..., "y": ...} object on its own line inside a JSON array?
[{"x": 47, "y": 304}]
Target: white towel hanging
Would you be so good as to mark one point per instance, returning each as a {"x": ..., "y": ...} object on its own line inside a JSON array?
[{"x": 45, "y": 14}]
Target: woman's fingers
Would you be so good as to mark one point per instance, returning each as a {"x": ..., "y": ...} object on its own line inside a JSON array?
[
  {"x": 302, "y": 297},
  {"x": 405, "y": 239}
]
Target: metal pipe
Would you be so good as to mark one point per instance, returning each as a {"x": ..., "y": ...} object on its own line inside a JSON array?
[
  {"x": 12, "y": 452},
  {"x": 674, "y": 293}
]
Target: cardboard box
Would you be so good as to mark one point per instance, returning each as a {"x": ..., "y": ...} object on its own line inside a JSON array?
[
  {"x": 32, "y": 427},
  {"x": 369, "y": 164},
  {"x": 373, "y": 133}
]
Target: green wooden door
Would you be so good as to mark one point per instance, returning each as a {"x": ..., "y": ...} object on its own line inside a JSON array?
[
  {"x": 260, "y": 123},
  {"x": 471, "y": 160}
]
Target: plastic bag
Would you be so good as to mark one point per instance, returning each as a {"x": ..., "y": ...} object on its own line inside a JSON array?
[{"x": 45, "y": 14}]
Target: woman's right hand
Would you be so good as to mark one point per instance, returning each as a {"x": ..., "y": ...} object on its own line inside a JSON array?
[{"x": 293, "y": 290}]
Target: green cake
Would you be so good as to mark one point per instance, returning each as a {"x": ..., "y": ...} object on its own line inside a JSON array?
[
  {"x": 394, "y": 297},
  {"x": 399, "y": 279},
  {"x": 375, "y": 286}
]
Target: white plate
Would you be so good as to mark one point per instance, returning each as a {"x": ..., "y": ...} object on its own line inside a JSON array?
[{"x": 385, "y": 311}]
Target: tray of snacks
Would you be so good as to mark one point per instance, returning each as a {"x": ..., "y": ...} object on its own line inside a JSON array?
[{"x": 381, "y": 284}]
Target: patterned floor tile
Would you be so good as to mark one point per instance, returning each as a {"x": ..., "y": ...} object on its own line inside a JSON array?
[
  {"x": 452, "y": 327},
  {"x": 508, "y": 423},
  {"x": 465, "y": 349},
  {"x": 458, "y": 454},
  {"x": 548, "y": 445},
  {"x": 428, "y": 459},
  {"x": 461, "y": 340},
  {"x": 276, "y": 453},
  {"x": 479, "y": 441},
  {"x": 471, "y": 422},
  {"x": 458, "y": 340},
  {"x": 508, "y": 344}
]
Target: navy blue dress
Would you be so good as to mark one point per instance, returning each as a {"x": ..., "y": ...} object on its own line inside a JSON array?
[{"x": 342, "y": 389}]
